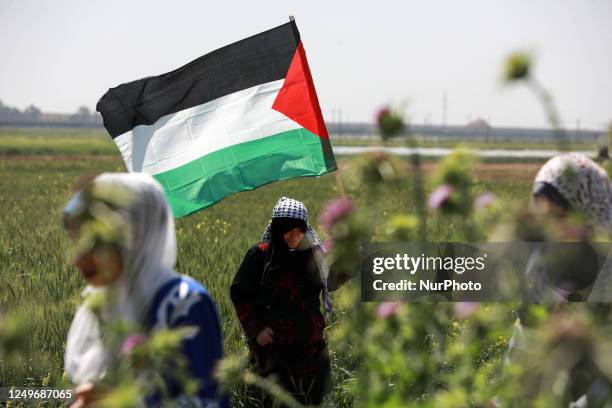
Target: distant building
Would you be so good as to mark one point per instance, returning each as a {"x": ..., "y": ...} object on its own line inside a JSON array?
[{"x": 479, "y": 124}]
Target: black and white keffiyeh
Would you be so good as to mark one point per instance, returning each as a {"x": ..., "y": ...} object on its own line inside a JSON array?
[{"x": 289, "y": 208}]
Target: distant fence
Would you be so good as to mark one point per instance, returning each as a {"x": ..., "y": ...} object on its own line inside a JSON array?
[{"x": 367, "y": 130}]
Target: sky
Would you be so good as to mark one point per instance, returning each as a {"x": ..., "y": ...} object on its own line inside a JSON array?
[{"x": 62, "y": 54}]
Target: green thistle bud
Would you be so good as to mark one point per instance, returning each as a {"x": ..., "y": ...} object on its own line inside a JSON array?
[{"x": 517, "y": 67}]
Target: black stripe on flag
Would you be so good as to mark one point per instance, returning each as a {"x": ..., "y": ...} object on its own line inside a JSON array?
[{"x": 262, "y": 58}]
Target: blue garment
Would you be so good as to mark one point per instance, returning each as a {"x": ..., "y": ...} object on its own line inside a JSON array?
[{"x": 183, "y": 301}]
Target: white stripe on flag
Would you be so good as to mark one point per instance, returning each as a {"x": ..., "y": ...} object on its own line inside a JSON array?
[{"x": 182, "y": 137}]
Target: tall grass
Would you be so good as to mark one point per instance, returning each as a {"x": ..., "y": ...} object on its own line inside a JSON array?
[{"x": 38, "y": 283}]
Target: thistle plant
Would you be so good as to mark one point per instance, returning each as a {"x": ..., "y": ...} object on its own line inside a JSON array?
[
  {"x": 453, "y": 198},
  {"x": 369, "y": 170},
  {"x": 518, "y": 69},
  {"x": 419, "y": 187},
  {"x": 390, "y": 123},
  {"x": 567, "y": 356},
  {"x": 423, "y": 355},
  {"x": 99, "y": 226},
  {"x": 415, "y": 352},
  {"x": 234, "y": 372},
  {"x": 456, "y": 355},
  {"x": 346, "y": 229},
  {"x": 454, "y": 192},
  {"x": 402, "y": 228}
]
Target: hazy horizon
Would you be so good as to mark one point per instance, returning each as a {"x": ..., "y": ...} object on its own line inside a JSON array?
[{"x": 67, "y": 54}]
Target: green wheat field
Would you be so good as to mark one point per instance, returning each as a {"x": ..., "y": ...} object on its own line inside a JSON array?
[{"x": 38, "y": 170}]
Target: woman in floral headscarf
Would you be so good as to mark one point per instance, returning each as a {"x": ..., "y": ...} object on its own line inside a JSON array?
[
  {"x": 575, "y": 192},
  {"x": 573, "y": 182},
  {"x": 276, "y": 293}
]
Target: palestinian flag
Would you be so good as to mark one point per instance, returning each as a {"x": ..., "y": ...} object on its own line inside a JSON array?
[{"x": 240, "y": 117}]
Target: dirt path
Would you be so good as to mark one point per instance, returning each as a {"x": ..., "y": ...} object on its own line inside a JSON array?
[
  {"x": 483, "y": 171},
  {"x": 501, "y": 171},
  {"x": 517, "y": 171}
]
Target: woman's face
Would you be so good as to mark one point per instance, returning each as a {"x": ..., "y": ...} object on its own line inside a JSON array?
[
  {"x": 546, "y": 207},
  {"x": 571, "y": 229},
  {"x": 101, "y": 267},
  {"x": 293, "y": 237}
]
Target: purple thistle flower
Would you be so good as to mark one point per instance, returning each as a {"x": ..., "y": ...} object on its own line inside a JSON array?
[
  {"x": 484, "y": 200},
  {"x": 464, "y": 309},
  {"x": 333, "y": 211},
  {"x": 387, "y": 309},
  {"x": 132, "y": 342},
  {"x": 390, "y": 123},
  {"x": 381, "y": 114},
  {"x": 440, "y": 196}
]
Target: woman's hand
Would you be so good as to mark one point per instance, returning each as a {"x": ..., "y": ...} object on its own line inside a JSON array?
[
  {"x": 265, "y": 337},
  {"x": 86, "y": 394}
]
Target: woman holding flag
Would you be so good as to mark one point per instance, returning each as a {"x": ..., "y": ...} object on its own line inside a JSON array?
[{"x": 276, "y": 293}]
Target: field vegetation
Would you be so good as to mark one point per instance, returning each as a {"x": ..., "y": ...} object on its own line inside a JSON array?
[{"x": 40, "y": 288}]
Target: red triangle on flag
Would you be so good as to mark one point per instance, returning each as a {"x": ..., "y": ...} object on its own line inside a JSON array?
[{"x": 297, "y": 99}]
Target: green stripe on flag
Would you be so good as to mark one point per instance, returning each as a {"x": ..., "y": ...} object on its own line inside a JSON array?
[{"x": 245, "y": 166}]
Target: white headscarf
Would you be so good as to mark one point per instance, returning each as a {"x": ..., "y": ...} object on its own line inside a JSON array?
[{"x": 148, "y": 254}]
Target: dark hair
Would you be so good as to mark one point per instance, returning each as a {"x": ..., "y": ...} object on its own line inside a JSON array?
[{"x": 550, "y": 192}]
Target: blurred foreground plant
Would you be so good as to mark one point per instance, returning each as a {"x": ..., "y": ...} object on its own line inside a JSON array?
[
  {"x": 416, "y": 354},
  {"x": 563, "y": 359},
  {"x": 346, "y": 230},
  {"x": 454, "y": 355},
  {"x": 234, "y": 372},
  {"x": 518, "y": 68},
  {"x": 423, "y": 354},
  {"x": 390, "y": 123},
  {"x": 141, "y": 365},
  {"x": 454, "y": 194},
  {"x": 369, "y": 169},
  {"x": 453, "y": 198}
]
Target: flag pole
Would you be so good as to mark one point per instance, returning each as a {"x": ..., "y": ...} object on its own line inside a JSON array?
[{"x": 339, "y": 181}]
